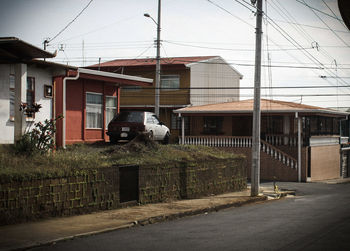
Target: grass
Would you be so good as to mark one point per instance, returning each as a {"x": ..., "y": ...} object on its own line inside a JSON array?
[{"x": 80, "y": 157}]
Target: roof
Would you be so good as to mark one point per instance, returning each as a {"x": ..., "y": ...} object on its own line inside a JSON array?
[
  {"x": 119, "y": 79},
  {"x": 14, "y": 49},
  {"x": 266, "y": 106},
  {"x": 152, "y": 61},
  {"x": 53, "y": 64}
]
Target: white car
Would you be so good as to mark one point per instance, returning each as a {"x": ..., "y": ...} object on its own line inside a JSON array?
[{"x": 128, "y": 124}]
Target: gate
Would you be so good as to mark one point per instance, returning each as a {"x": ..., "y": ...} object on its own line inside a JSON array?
[{"x": 128, "y": 183}]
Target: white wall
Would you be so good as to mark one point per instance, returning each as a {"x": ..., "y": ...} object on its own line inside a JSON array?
[
  {"x": 43, "y": 76},
  {"x": 6, "y": 126},
  {"x": 214, "y": 73}
]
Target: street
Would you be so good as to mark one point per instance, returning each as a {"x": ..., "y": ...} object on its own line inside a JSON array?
[{"x": 318, "y": 218}]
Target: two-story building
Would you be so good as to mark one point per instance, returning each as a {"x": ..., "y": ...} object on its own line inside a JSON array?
[{"x": 184, "y": 81}]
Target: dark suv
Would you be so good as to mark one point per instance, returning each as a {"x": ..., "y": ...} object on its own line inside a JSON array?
[{"x": 127, "y": 125}]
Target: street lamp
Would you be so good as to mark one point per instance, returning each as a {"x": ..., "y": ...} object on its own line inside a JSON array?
[{"x": 157, "y": 89}]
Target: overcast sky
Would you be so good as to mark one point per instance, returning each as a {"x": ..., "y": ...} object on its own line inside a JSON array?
[{"x": 112, "y": 29}]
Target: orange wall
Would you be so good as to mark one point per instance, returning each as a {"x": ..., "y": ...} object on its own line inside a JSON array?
[{"x": 76, "y": 110}]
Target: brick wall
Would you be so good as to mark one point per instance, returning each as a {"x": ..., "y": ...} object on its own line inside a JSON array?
[
  {"x": 93, "y": 190},
  {"x": 189, "y": 180}
]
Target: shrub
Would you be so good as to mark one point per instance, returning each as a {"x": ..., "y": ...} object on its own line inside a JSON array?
[{"x": 39, "y": 140}]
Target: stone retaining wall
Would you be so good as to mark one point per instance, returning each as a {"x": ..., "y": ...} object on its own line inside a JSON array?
[{"x": 93, "y": 190}]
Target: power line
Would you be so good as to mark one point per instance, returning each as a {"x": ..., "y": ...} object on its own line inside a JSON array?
[
  {"x": 230, "y": 13},
  {"x": 324, "y": 13},
  {"x": 327, "y": 25},
  {"x": 342, "y": 22},
  {"x": 229, "y": 49},
  {"x": 71, "y": 21},
  {"x": 245, "y": 88}
]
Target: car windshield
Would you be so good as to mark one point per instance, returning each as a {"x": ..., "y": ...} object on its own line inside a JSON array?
[{"x": 136, "y": 117}]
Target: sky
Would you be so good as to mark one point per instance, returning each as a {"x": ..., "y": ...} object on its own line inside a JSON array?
[{"x": 304, "y": 41}]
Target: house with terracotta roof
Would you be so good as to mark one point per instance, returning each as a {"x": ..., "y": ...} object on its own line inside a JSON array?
[
  {"x": 184, "y": 81},
  {"x": 298, "y": 142}
]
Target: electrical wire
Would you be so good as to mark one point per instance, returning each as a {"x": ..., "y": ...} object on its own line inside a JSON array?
[
  {"x": 341, "y": 22},
  {"x": 230, "y": 13},
  {"x": 312, "y": 9},
  {"x": 71, "y": 21},
  {"x": 311, "y": 26},
  {"x": 324, "y": 13}
]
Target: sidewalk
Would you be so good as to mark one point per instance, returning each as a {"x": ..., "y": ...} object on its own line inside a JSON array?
[{"x": 51, "y": 230}]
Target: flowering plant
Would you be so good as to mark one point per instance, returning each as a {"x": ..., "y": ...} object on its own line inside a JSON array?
[
  {"x": 29, "y": 110},
  {"x": 40, "y": 138}
]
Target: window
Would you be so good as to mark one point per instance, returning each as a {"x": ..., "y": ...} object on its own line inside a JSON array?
[
  {"x": 134, "y": 117},
  {"x": 176, "y": 122},
  {"x": 94, "y": 110},
  {"x": 131, "y": 88},
  {"x": 213, "y": 125},
  {"x": 111, "y": 108},
  {"x": 30, "y": 91},
  {"x": 152, "y": 119},
  {"x": 170, "y": 82},
  {"x": 12, "y": 97},
  {"x": 30, "y": 94}
]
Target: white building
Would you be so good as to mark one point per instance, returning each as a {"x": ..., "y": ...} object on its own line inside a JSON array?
[{"x": 23, "y": 79}]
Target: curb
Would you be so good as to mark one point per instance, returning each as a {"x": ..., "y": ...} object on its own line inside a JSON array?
[{"x": 151, "y": 220}]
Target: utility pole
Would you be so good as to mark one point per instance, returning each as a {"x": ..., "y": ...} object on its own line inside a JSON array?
[
  {"x": 255, "y": 171},
  {"x": 157, "y": 91}
]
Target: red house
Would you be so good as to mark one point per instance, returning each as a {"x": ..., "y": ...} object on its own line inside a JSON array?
[{"x": 88, "y": 100}]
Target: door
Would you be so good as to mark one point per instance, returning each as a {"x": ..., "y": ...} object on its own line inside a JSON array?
[{"x": 128, "y": 183}]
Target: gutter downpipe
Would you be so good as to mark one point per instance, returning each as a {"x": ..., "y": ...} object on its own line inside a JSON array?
[{"x": 64, "y": 106}]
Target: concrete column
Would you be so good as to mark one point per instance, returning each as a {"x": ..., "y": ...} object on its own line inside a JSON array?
[
  {"x": 299, "y": 146},
  {"x": 182, "y": 130},
  {"x": 20, "y": 97},
  {"x": 286, "y": 129}
]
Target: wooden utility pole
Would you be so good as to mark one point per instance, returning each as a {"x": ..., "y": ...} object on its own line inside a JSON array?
[{"x": 255, "y": 171}]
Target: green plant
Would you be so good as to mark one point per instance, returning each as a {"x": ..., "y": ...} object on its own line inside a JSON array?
[{"x": 39, "y": 139}]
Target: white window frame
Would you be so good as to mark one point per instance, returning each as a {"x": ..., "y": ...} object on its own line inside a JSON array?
[
  {"x": 111, "y": 108},
  {"x": 168, "y": 87},
  {"x": 96, "y": 106}
]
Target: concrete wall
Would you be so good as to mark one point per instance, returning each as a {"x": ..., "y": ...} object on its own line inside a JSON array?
[
  {"x": 42, "y": 76},
  {"x": 325, "y": 162},
  {"x": 215, "y": 73}
]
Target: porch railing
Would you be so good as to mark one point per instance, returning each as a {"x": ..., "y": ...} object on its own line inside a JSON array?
[
  {"x": 241, "y": 142},
  {"x": 218, "y": 141},
  {"x": 279, "y": 155},
  {"x": 281, "y": 139}
]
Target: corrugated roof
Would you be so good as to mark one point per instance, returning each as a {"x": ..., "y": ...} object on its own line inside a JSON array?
[
  {"x": 152, "y": 61},
  {"x": 246, "y": 106},
  {"x": 14, "y": 49}
]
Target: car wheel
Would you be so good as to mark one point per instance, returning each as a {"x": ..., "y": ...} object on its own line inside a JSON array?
[
  {"x": 150, "y": 135},
  {"x": 166, "y": 139}
]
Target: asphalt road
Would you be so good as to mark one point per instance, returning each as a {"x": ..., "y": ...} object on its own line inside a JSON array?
[{"x": 318, "y": 218}]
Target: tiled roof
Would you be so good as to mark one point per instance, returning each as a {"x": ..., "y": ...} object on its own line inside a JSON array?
[
  {"x": 246, "y": 106},
  {"x": 152, "y": 61}
]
